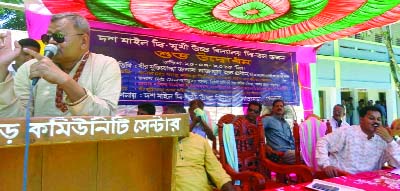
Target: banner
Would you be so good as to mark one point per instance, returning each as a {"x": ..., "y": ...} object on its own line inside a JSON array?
[{"x": 164, "y": 69}]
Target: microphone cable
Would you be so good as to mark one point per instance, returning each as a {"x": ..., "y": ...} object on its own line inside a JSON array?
[{"x": 27, "y": 139}]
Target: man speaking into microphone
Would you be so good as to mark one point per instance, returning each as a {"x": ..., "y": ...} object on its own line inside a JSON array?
[{"x": 69, "y": 80}]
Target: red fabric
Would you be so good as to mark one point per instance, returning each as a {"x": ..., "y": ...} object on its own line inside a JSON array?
[
  {"x": 221, "y": 11},
  {"x": 76, "y": 6},
  {"x": 334, "y": 11},
  {"x": 384, "y": 19},
  {"x": 381, "y": 180}
]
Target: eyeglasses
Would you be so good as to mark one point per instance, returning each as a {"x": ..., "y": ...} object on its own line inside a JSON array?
[
  {"x": 58, "y": 37},
  {"x": 252, "y": 110}
]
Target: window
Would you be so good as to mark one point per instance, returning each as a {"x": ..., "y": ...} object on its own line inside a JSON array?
[
  {"x": 358, "y": 36},
  {"x": 378, "y": 38},
  {"x": 397, "y": 43}
]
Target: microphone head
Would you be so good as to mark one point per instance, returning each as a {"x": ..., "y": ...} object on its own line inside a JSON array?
[{"x": 50, "y": 50}]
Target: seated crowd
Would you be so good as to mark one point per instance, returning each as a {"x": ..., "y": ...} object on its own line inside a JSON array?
[{"x": 347, "y": 150}]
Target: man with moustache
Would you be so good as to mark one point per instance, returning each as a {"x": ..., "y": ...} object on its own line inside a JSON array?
[
  {"x": 278, "y": 133},
  {"x": 358, "y": 148},
  {"x": 253, "y": 111}
]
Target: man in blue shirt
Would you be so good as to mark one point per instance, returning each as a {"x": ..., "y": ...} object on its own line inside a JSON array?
[
  {"x": 278, "y": 132},
  {"x": 383, "y": 112}
]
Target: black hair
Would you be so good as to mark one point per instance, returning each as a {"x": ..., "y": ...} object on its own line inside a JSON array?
[
  {"x": 256, "y": 103},
  {"x": 178, "y": 108},
  {"x": 365, "y": 110},
  {"x": 276, "y": 101},
  {"x": 28, "y": 42},
  {"x": 339, "y": 105},
  {"x": 148, "y": 107},
  {"x": 198, "y": 102}
]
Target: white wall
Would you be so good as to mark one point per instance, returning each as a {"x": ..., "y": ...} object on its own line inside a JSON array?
[{"x": 373, "y": 77}]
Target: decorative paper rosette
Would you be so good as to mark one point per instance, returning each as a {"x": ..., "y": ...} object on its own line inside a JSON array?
[{"x": 297, "y": 22}]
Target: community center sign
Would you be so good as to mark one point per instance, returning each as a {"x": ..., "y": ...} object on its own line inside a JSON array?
[{"x": 79, "y": 129}]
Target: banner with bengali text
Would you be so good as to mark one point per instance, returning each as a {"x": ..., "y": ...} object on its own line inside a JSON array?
[{"x": 165, "y": 69}]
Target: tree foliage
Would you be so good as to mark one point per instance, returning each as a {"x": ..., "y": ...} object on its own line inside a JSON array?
[
  {"x": 394, "y": 67},
  {"x": 12, "y": 19}
]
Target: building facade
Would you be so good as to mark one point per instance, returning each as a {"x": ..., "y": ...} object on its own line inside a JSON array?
[{"x": 355, "y": 67}]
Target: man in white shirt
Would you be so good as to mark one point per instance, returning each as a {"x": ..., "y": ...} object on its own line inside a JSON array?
[
  {"x": 75, "y": 82},
  {"x": 358, "y": 148},
  {"x": 336, "y": 120}
]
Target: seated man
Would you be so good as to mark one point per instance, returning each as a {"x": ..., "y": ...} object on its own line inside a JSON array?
[
  {"x": 253, "y": 111},
  {"x": 196, "y": 164},
  {"x": 395, "y": 130},
  {"x": 278, "y": 133},
  {"x": 146, "y": 109},
  {"x": 358, "y": 148},
  {"x": 199, "y": 120},
  {"x": 337, "y": 119}
]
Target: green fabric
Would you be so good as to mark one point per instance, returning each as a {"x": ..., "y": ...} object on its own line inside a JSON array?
[
  {"x": 240, "y": 11},
  {"x": 112, "y": 11},
  {"x": 368, "y": 11},
  {"x": 198, "y": 14}
]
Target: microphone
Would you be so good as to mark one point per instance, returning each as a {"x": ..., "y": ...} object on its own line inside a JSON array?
[{"x": 50, "y": 51}]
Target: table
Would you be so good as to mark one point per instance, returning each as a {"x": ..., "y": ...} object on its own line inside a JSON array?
[{"x": 381, "y": 180}]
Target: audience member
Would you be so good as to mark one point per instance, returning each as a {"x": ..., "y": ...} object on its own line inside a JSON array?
[
  {"x": 382, "y": 110},
  {"x": 278, "y": 132},
  {"x": 196, "y": 164},
  {"x": 199, "y": 120},
  {"x": 146, "y": 109},
  {"x": 74, "y": 82},
  {"x": 349, "y": 110},
  {"x": 361, "y": 104},
  {"x": 253, "y": 112},
  {"x": 358, "y": 148},
  {"x": 336, "y": 120},
  {"x": 9, "y": 63},
  {"x": 14, "y": 59},
  {"x": 395, "y": 130}
]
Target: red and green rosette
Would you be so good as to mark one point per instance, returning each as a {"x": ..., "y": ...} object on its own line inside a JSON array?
[{"x": 297, "y": 22}]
